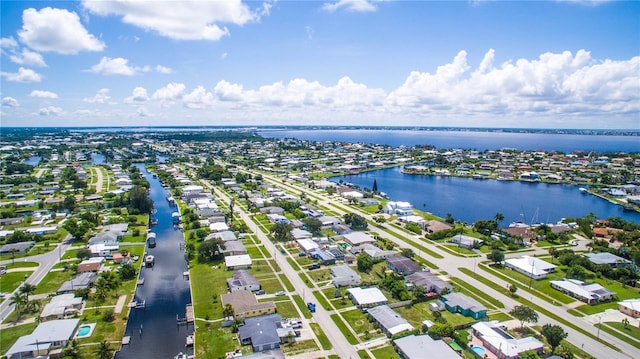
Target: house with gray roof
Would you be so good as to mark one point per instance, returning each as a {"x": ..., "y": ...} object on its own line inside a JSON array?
[
  {"x": 20, "y": 247},
  {"x": 61, "y": 306},
  {"x": 590, "y": 293},
  {"x": 416, "y": 347},
  {"x": 47, "y": 339},
  {"x": 429, "y": 281},
  {"x": 82, "y": 280},
  {"x": 243, "y": 280},
  {"x": 225, "y": 236},
  {"x": 609, "y": 259},
  {"x": 402, "y": 265},
  {"x": 107, "y": 237},
  {"x": 343, "y": 275},
  {"x": 233, "y": 248},
  {"x": 388, "y": 320},
  {"x": 460, "y": 303},
  {"x": 264, "y": 332}
]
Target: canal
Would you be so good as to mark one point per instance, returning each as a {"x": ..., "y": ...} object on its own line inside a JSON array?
[{"x": 154, "y": 331}]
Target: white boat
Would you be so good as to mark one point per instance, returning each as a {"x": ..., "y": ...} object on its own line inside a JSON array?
[
  {"x": 149, "y": 260},
  {"x": 189, "y": 340},
  {"x": 181, "y": 355},
  {"x": 582, "y": 189}
]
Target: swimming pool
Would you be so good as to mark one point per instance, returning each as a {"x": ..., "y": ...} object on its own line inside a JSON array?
[
  {"x": 85, "y": 330},
  {"x": 478, "y": 350}
]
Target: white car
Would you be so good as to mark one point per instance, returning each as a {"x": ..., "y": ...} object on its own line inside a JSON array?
[{"x": 280, "y": 293}]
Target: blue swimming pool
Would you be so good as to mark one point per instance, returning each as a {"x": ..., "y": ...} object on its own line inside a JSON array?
[
  {"x": 85, "y": 330},
  {"x": 478, "y": 350}
]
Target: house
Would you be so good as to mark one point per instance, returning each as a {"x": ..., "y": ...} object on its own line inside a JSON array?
[
  {"x": 341, "y": 229},
  {"x": 241, "y": 261},
  {"x": 630, "y": 307},
  {"x": 402, "y": 265},
  {"x": 358, "y": 238},
  {"x": 191, "y": 189},
  {"x": 261, "y": 332},
  {"x": 428, "y": 281},
  {"x": 47, "y": 339},
  {"x": 590, "y": 293},
  {"x": 324, "y": 256},
  {"x": 329, "y": 221},
  {"x": 103, "y": 250},
  {"x": 272, "y": 210},
  {"x": 609, "y": 259},
  {"x": 466, "y": 241},
  {"x": 20, "y": 247},
  {"x": 118, "y": 258},
  {"x": 245, "y": 304},
  {"x": 401, "y": 209},
  {"x": 218, "y": 227},
  {"x": 225, "y": 236},
  {"x": 388, "y": 320},
  {"x": 61, "y": 306},
  {"x": 82, "y": 280},
  {"x": 92, "y": 264},
  {"x": 417, "y": 347},
  {"x": 307, "y": 245},
  {"x": 460, "y": 303},
  {"x": 502, "y": 344},
  {"x": 278, "y": 218},
  {"x": 298, "y": 233},
  {"x": 243, "y": 280},
  {"x": 372, "y": 251},
  {"x": 532, "y": 267},
  {"x": 233, "y": 248},
  {"x": 366, "y": 297},
  {"x": 344, "y": 276}
]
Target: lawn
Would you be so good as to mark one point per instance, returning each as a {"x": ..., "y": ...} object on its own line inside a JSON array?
[
  {"x": 218, "y": 341},
  {"x": 22, "y": 265},
  {"x": 110, "y": 331},
  {"x": 302, "y": 306},
  {"x": 12, "y": 280},
  {"x": 319, "y": 275},
  {"x": 629, "y": 330},
  {"x": 286, "y": 309},
  {"x": 343, "y": 328},
  {"x": 358, "y": 321},
  {"x": 621, "y": 291},
  {"x": 386, "y": 352},
  {"x": 10, "y": 335},
  {"x": 270, "y": 285},
  {"x": 52, "y": 281},
  {"x": 291, "y": 349},
  {"x": 287, "y": 283},
  {"x": 207, "y": 285},
  {"x": 473, "y": 292},
  {"x": 324, "y": 341}
]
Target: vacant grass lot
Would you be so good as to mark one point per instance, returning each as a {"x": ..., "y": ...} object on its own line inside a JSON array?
[
  {"x": 218, "y": 341},
  {"x": 211, "y": 283},
  {"x": 358, "y": 321},
  {"x": 386, "y": 352}
]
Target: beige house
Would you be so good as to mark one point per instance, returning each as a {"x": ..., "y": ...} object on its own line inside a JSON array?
[{"x": 630, "y": 307}]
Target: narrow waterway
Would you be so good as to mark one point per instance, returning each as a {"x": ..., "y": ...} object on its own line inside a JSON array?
[{"x": 154, "y": 331}]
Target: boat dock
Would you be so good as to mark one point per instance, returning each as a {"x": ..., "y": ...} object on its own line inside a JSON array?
[
  {"x": 140, "y": 281},
  {"x": 190, "y": 316}
]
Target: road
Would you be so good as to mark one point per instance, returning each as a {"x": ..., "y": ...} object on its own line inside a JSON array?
[
  {"x": 340, "y": 344},
  {"x": 46, "y": 261},
  {"x": 451, "y": 264}
]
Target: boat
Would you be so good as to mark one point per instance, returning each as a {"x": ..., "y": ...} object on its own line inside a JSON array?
[
  {"x": 181, "y": 355},
  {"x": 149, "y": 260},
  {"x": 189, "y": 340},
  {"x": 582, "y": 190}
]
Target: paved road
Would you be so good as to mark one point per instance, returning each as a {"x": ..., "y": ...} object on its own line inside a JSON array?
[
  {"x": 46, "y": 261},
  {"x": 451, "y": 265},
  {"x": 340, "y": 344}
]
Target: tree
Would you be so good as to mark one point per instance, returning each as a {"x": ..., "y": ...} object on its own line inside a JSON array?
[
  {"x": 127, "y": 271},
  {"x": 104, "y": 351},
  {"x": 313, "y": 225},
  {"x": 27, "y": 289},
  {"x": 524, "y": 314},
  {"x": 18, "y": 299},
  {"x": 407, "y": 252},
  {"x": 365, "y": 263},
  {"x": 83, "y": 253},
  {"x": 496, "y": 256},
  {"x": 72, "y": 350},
  {"x": 440, "y": 330},
  {"x": 564, "y": 352},
  {"x": 282, "y": 232},
  {"x": 499, "y": 217},
  {"x": 210, "y": 249},
  {"x": 228, "y": 311},
  {"x": 356, "y": 222},
  {"x": 513, "y": 289},
  {"x": 554, "y": 335}
]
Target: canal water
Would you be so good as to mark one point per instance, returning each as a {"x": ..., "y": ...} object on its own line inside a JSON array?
[
  {"x": 154, "y": 331},
  {"x": 469, "y": 200}
]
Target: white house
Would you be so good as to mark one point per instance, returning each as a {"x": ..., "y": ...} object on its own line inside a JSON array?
[
  {"x": 501, "y": 343},
  {"x": 242, "y": 261},
  {"x": 532, "y": 267},
  {"x": 47, "y": 336},
  {"x": 589, "y": 293},
  {"x": 366, "y": 297},
  {"x": 402, "y": 209},
  {"x": 343, "y": 275}
]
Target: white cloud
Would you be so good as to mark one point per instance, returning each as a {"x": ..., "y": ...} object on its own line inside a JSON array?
[
  {"x": 180, "y": 20},
  {"x": 50, "y": 111},
  {"x": 139, "y": 95},
  {"x": 115, "y": 66},
  {"x": 56, "y": 30},
  {"x": 102, "y": 96},
  {"x": 23, "y": 75},
  {"x": 28, "y": 58},
  {"x": 43, "y": 94},
  {"x": 351, "y": 5},
  {"x": 142, "y": 112},
  {"x": 8, "y": 42},
  {"x": 163, "y": 69},
  {"x": 172, "y": 91},
  {"x": 198, "y": 98},
  {"x": 9, "y": 102},
  {"x": 226, "y": 91}
]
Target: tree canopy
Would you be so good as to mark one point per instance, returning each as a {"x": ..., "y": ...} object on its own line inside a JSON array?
[{"x": 524, "y": 314}]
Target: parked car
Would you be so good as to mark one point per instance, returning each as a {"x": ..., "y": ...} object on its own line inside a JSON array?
[
  {"x": 280, "y": 293},
  {"x": 260, "y": 292},
  {"x": 314, "y": 266}
]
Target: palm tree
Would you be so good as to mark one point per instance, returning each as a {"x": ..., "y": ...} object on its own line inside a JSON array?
[
  {"x": 104, "y": 351},
  {"x": 18, "y": 299},
  {"x": 227, "y": 310},
  {"x": 72, "y": 350},
  {"x": 27, "y": 289},
  {"x": 499, "y": 217}
]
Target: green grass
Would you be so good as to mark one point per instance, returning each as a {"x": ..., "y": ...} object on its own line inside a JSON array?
[
  {"x": 302, "y": 306},
  {"x": 212, "y": 341},
  {"x": 343, "y": 328},
  {"x": 621, "y": 291},
  {"x": 386, "y": 352},
  {"x": 322, "y": 338},
  {"x": 500, "y": 316},
  {"x": 293, "y": 264},
  {"x": 617, "y": 329},
  {"x": 477, "y": 294},
  {"x": 10, "y": 335},
  {"x": 205, "y": 282},
  {"x": 320, "y": 275},
  {"x": 287, "y": 309},
  {"x": 321, "y": 300},
  {"x": 363, "y": 354},
  {"x": 270, "y": 285},
  {"x": 52, "y": 281},
  {"x": 12, "y": 280},
  {"x": 287, "y": 283},
  {"x": 290, "y": 349},
  {"x": 358, "y": 321},
  {"x": 22, "y": 265},
  {"x": 538, "y": 287}
]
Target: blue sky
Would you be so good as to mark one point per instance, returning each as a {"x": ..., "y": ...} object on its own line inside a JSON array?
[{"x": 550, "y": 64}]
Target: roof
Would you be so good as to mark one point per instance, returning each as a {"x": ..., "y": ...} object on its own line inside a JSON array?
[
  {"x": 531, "y": 265},
  {"x": 234, "y": 246},
  {"x": 582, "y": 289},
  {"x": 427, "y": 280},
  {"x": 462, "y": 301},
  {"x": 239, "y": 260},
  {"x": 436, "y": 226},
  {"x": 605, "y": 258},
  {"x": 389, "y": 319},
  {"x": 367, "y": 295},
  {"x": 415, "y": 347},
  {"x": 44, "y": 334},
  {"x": 242, "y": 278},
  {"x": 357, "y": 238},
  {"x": 224, "y": 235},
  {"x": 341, "y": 271},
  {"x": 492, "y": 333},
  {"x": 467, "y": 240},
  {"x": 403, "y": 264},
  {"x": 59, "y": 304},
  {"x": 633, "y": 304},
  {"x": 20, "y": 246},
  {"x": 307, "y": 244},
  {"x": 82, "y": 280},
  {"x": 262, "y": 330}
]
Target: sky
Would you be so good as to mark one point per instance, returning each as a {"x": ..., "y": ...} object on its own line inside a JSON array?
[{"x": 513, "y": 64}]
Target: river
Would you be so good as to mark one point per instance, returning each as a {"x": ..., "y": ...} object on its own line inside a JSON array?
[
  {"x": 154, "y": 332},
  {"x": 469, "y": 200}
]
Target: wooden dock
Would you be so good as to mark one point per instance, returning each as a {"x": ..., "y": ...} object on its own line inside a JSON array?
[{"x": 190, "y": 316}]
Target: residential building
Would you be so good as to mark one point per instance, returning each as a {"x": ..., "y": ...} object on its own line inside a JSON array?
[
  {"x": 421, "y": 346},
  {"x": 433, "y": 226},
  {"x": 466, "y": 241},
  {"x": 429, "y": 281},
  {"x": 245, "y": 304},
  {"x": 92, "y": 264},
  {"x": 590, "y": 293},
  {"x": 358, "y": 238},
  {"x": 388, "y": 320},
  {"x": 324, "y": 256},
  {"x": 243, "y": 280},
  {"x": 460, "y": 303},
  {"x": 495, "y": 339},
  {"x": 47, "y": 339},
  {"x": 532, "y": 267},
  {"x": 630, "y": 307},
  {"x": 609, "y": 259},
  {"x": 402, "y": 265},
  {"x": 60, "y": 306},
  {"x": 241, "y": 261},
  {"x": 263, "y": 333},
  {"x": 366, "y": 297},
  {"x": 233, "y": 248},
  {"x": 82, "y": 280},
  {"x": 344, "y": 276},
  {"x": 307, "y": 245},
  {"x": 401, "y": 209}
]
